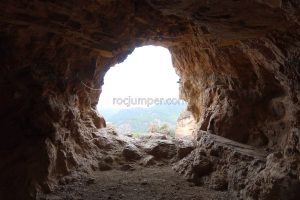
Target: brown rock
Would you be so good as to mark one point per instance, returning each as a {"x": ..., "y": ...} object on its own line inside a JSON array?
[
  {"x": 148, "y": 161},
  {"x": 184, "y": 147},
  {"x": 185, "y": 125},
  {"x": 239, "y": 74},
  {"x": 161, "y": 149},
  {"x": 127, "y": 167},
  {"x": 104, "y": 166},
  {"x": 131, "y": 152},
  {"x": 218, "y": 182}
]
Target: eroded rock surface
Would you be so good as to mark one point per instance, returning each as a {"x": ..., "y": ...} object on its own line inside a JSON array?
[
  {"x": 185, "y": 125},
  {"x": 249, "y": 172},
  {"x": 239, "y": 68}
]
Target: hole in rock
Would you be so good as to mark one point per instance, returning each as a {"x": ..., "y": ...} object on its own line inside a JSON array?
[{"x": 141, "y": 95}]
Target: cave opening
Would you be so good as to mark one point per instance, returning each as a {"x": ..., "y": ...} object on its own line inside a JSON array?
[
  {"x": 140, "y": 96},
  {"x": 239, "y": 73}
]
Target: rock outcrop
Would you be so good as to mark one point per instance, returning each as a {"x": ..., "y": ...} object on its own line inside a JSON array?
[
  {"x": 131, "y": 152},
  {"x": 249, "y": 172},
  {"x": 239, "y": 68},
  {"x": 185, "y": 125}
]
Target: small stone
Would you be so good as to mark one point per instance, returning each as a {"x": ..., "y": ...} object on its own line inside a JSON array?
[{"x": 148, "y": 161}]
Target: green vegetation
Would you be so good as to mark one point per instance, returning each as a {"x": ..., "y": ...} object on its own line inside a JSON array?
[
  {"x": 136, "y": 134},
  {"x": 162, "y": 128},
  {"x": 138, "y": 120}
]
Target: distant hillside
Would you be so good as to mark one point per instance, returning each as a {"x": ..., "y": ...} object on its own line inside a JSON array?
[{"x": 138, "y": 119}]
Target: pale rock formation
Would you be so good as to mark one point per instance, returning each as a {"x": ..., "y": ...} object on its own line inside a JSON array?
[{"x": 185, "y": 125}]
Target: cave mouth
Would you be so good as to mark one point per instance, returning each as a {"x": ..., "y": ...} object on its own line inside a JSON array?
[
  {"x": 239, "y": 73},
  {"x": 141, "y": 94}
]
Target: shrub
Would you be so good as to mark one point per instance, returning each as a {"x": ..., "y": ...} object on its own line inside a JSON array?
[{"x": 161, "y": 128}]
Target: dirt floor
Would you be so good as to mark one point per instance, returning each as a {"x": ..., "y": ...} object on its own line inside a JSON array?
[{"x": 155, "y": 183}]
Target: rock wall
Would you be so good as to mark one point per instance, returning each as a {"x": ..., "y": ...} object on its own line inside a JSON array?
[
  {"x": 47, "y": 118},
  {"x": 248, "y": 93},
  {"x": 243, "y": 92},
  {"x": 238, "y": 62},
  {"x": 185, "y": 125}
]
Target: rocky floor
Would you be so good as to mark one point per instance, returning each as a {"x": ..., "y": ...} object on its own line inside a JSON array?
[{"x": 152, "y": 183}]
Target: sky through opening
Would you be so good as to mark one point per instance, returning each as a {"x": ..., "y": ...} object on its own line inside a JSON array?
[{"x": 146, "y": 73}]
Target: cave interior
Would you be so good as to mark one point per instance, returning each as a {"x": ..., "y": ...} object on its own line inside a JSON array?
[{"x": 239, "y": 69}]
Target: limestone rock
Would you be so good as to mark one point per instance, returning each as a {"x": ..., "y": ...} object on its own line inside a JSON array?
[
  {"x": 185, "y": 125},
  {"x": 131, "y": 152},
  {"x": 184, "y": 147},
  {"x": 160, "y": 149},
  {"x": 148, "y": 161}
]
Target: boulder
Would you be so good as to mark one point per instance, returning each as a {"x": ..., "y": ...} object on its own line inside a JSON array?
[
  {"x": 161, "y": 149},
  {"x": 148, "y": 161},
  {"x": 184, "y": 147},
  {"x": 131, "y": 152}
]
